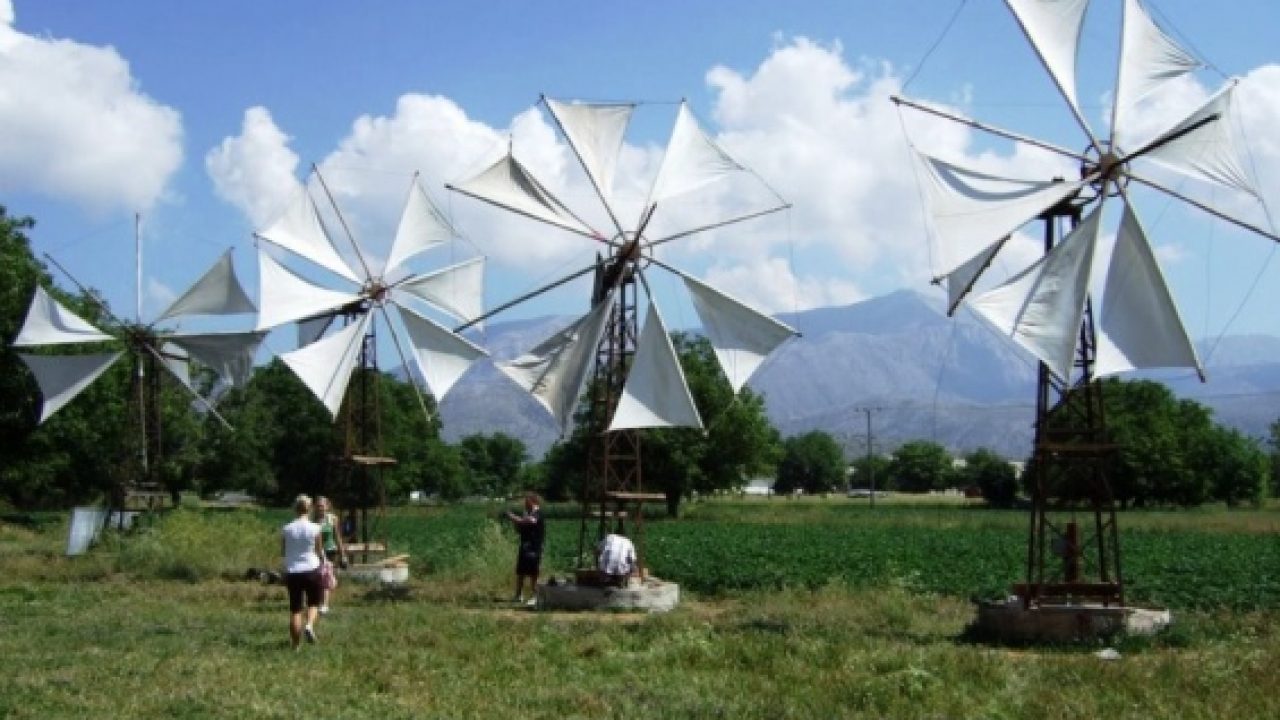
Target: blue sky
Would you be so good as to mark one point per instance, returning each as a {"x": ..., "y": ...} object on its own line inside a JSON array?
[{"x": 795, "y": 90}]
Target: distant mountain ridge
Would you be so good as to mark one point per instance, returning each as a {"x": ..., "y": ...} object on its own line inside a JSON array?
[{"x": 952, "y": 380}]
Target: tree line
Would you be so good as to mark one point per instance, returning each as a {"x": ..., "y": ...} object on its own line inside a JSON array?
[{"x": 284, "y": 442}]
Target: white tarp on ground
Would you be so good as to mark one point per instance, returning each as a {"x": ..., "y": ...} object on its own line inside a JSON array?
[
  {"x": 554, "y": 372},
  {"x": 441, "y": 356},
  {"x": 655, "y": 394},
  {"x": 86, "y": 524},
  {"x": 741, "y": 337}
]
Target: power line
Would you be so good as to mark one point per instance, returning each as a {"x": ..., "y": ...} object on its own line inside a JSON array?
[{"x": 871, "y": 471}]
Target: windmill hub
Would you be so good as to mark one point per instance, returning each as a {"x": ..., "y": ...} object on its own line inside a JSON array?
[
  {"x": 375, "y": 291},
  {"x": 1106, "y": 168}
]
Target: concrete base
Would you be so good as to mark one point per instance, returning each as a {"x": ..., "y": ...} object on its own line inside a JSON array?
[
  {"x": 651, "y": 595},
  {"x": 375, "y": 573},
  {"x": 1009, "y": 621}
]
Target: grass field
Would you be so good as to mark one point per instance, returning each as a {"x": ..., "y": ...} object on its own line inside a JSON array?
[{"x": 798, "y": 622}]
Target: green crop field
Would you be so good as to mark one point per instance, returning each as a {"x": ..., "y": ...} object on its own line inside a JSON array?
[{"x": 814, "y": 608}]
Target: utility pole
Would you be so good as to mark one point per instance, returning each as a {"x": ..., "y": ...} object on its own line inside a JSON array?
[{"x": 871, "y": 471}]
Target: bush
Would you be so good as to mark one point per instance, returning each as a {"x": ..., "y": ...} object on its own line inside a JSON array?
[{"x": 194, "y": 545}]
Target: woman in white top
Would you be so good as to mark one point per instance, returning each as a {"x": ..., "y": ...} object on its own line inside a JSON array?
[{"x": 300, "y": 545}]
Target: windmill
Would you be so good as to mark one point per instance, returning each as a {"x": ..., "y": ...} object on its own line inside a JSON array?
[
  {"x": 1047, "y": 308},
  {"x": 638, "y": 382},
  {"x": 150, "y": 346},
  {"x": 326, "y": 364}
]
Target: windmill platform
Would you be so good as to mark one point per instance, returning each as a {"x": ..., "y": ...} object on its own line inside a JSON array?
[
  {"x": 1011, "y": 620},
  {"x": 648, "y": 595}
]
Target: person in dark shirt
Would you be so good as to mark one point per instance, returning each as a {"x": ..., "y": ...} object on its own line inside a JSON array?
[{"x": 532, "y": 532}]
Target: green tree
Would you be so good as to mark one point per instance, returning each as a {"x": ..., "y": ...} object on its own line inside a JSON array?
[
  {"x": 812, "y": 462},
  {"x": 991, "y": 473},
  {"x": 1170, "y": 452},
  {"x": 920, "y": 466},
  {"x": 871, "y": 471},
  {"x": 1275, "y": 459},
  {"x": 81, "y": 452},
  {"x": 495, "y": 462}
]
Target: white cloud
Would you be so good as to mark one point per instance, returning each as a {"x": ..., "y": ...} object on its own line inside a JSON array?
[
  {"x": 255, "y": 171},
  {"x": 75, "y": 126}
]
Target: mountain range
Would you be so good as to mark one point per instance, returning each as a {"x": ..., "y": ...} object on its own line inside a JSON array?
[{"x": 921, "y": 374}]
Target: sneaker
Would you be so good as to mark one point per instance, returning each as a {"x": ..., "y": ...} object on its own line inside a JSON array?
[
  {"x": 309, "y": 634},
  {"x": 531, "y": 603},
  {"x": 324, "y": 609}
]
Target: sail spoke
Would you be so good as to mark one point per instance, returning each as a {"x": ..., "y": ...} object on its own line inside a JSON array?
[
  {"x": 507, "y": 184},
  {"x": 1053, "y": 28},
  {"x": 741, "y": 336}
]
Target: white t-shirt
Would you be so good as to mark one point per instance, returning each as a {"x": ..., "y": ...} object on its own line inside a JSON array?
[
  {"x": 617, "y": 555},
  {"x": 300, "y": 546}
]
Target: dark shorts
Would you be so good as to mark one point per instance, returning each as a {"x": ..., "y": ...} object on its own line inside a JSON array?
[
  {"x": 331, "y": 555},
  {"x": 528, "y": 562},
  {"x": 303, "y": 584}
]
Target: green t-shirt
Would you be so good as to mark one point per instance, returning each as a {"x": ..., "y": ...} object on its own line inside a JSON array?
[{"x": 327, "y": 536}]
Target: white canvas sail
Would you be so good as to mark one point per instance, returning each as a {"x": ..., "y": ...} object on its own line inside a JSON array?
[
  {"x": 325, "y": 366},
  {"x": 655, "y": 394},
  {"x": 1148, "y": 59},
  {"x": 228, "y": 354},
  {"x": 177, "y": 362},
  {"x": 741, "y": 337},
  {"x": 299, "y": 230},
  {"x": 972, "y": 212},
  {"x": 285, "y": 296},
  {"x": 217, "y": 292},
  {"x": 508, "y": 185},
  {"x": 555, "y": 370},
  {"x": 312, "y": 329},
  {"x": 49, "y": 322},
  {"x": 1139, "y": 325},
  {"x": 1053, "y": 27},
  {"x": 457, "y": 289},
  {"x": 1042, "y": 307},
  {"x": 421, "y": 228},
  {"x": 961, "y": 280},
  {"x": 441, "y": 356},
  {"x": 596, "y": 132},
  {"x": 693, "y": 160},
  {"x": 1208, "y": 152},
  {"x": 62, "y": 378}
]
